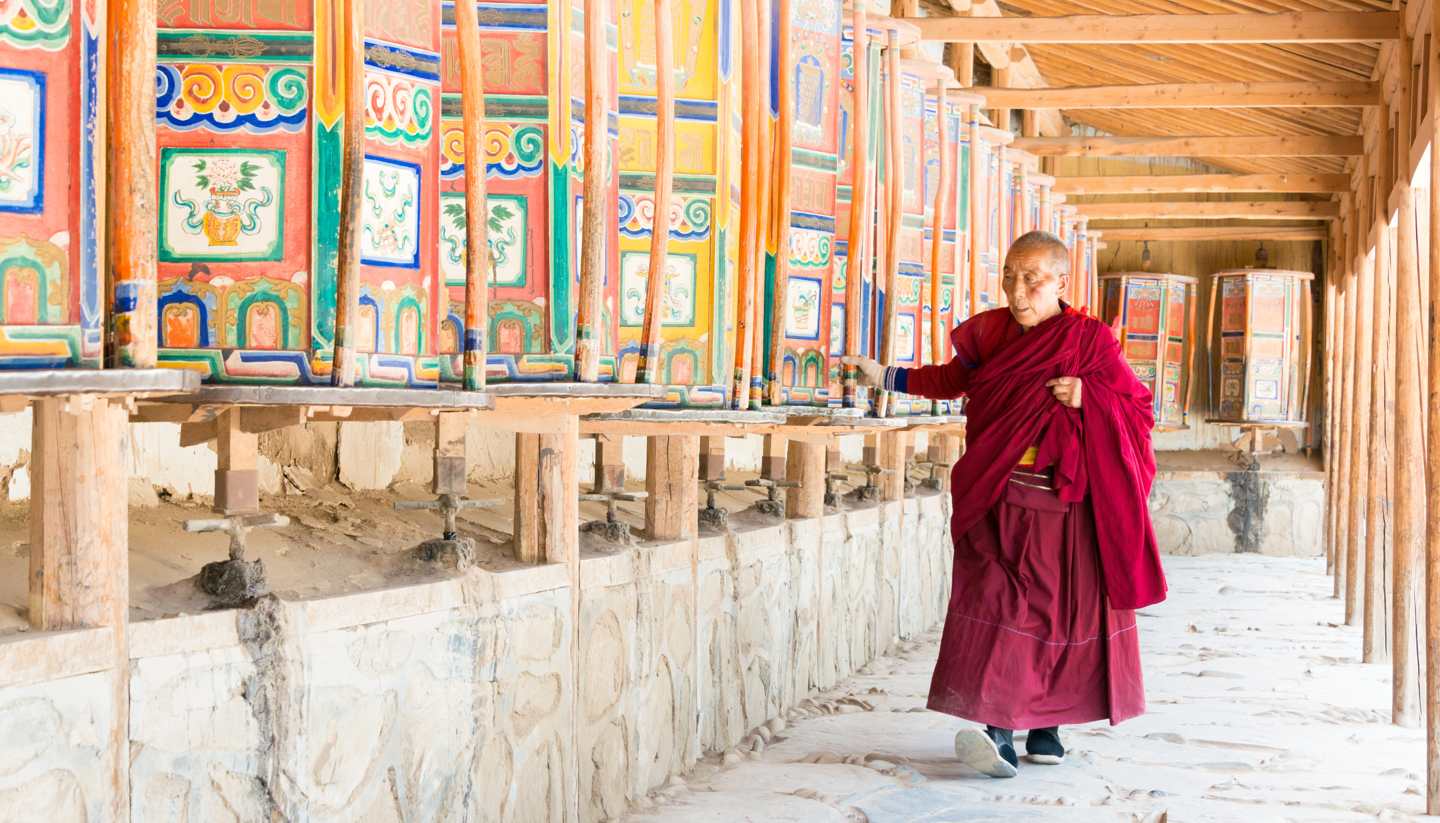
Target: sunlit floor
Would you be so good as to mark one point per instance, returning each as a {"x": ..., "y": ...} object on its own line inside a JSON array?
[{"x": 1258, "y": 710}]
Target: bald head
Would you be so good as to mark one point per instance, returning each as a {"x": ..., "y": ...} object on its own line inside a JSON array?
[
  {"x": 1037, "y": 272},
  {"x": 1044, "y": 246}
]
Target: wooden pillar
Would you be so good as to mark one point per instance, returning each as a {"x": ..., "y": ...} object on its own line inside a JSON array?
[
  {"x": 1378, "y": 548},
  {"x": 859, "y": 230},
  {"x": 1432, "y": 445},
  {"x": 806, "y": 466},
  {"x": 712, "y": 458},
  {"x": 1410, "y": 500},
  {"x": 1333, "y": 370},
  {"x": 345, "y": 365},
  {"x": 609, "y": 462},
  {"x": 132, "y": 215},
  {"x": 892, "y": 459},
  {"x": 772, "y": 461},
  {"x": 779, "y": 234},
  {"x": 1340, "y": 534},
  {"x": 474, "y": 342},
  {"x": 237, "y": 475},
  {"x": 672, "y": 468},
  {"x": 593, "y": 243},
  {"x": 1360, "y": 426},
  {"x": 753, "y": 119},
  {"x": 450, "y": 467},
  {"x": 79, "y": 544},
  {"x": 649, "y": 370},
  {"x": 547, "y": 496}
]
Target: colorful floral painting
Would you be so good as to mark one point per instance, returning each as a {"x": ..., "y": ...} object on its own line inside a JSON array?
[
  {"x": 390, "y": 213},
  {"x": 837, "y": 329},
  {"x": 905, "y": 338},
  {"x": 398, "y": 109},
  {"x": 505, "y": 233},
  {"x": 240, "y": 97},
  {"x": 22, "y": 140},
  {"x": 29, "y": 24},
  {"x": 677, "y": 307},
  {"x": 802, "y": 309},
  {"x": 221, "y": 204}
]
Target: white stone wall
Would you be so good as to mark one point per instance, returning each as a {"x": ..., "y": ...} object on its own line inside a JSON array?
[
  {"x": 1207, "y": 512},
  {"x": 504, "y": 696}
]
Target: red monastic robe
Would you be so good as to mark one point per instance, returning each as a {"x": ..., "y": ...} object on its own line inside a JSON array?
[{"x": 1041, "y": 628}]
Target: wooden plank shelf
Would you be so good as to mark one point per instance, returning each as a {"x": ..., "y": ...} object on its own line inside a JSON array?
[
  {"x": 18, "y": 387},
  {"x": 701, "y": 422}
]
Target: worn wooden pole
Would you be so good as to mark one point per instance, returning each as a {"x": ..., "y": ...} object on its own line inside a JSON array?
[
  {"x": 596, "y": 193},
  {"x": 937, "y": 237},
  {"x": 751, "y": 124},
  {"x": 780, "y": 218},
  {"x": 857, "y": 241},
  {"x": 345, "y": 366},
  {"x": 547, "y": 500},
  {"x": 1340, "y": 533},
  {"x": 237, "y": 474},
  {"x": 891, "y": 457},
  {"x": 895, "y": 202},
  {"x": 1375, "y": 642},
  {"x": 806, "y": 466},
  {"x": 1360, "y": 422},
  {"x": 79, "y": 542},
  {"x": 672, "y": 485},
  {"x": 649, "y": 370},
  {"x": 766, "y": 204},
  {"x": 1410, "y": 498},
  {"x": 477, "y": 244},
  {"x": 1335, "y": 369},
  {"x": 1432, "y": 447},
  {"x": 978, "y": 235},
  {"x": 609, "y": 462},
  {"x": 132, "y": 214},
  {"x": 712, "y": 458}
]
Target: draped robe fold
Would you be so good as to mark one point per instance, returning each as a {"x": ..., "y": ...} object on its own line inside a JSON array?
[{"x": 1041, "y": 626}]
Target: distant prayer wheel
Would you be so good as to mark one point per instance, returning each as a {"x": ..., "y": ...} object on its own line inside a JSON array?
[
  {"x": 1263, "y": 355},
  {"x": 989, "y": 232},
  {"x": 1156, "y": 314}
]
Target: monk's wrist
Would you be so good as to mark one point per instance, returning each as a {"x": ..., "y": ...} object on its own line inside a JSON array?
[{"x": 894, "y": 379}]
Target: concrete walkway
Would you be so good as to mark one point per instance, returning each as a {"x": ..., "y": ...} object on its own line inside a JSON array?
[{"x": 1258, "y": 710}]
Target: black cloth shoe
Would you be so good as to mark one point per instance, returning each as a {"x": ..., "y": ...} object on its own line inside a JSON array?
[
  {"x": 990, "y": 751},
  {"x": 1043, "y": 746}
]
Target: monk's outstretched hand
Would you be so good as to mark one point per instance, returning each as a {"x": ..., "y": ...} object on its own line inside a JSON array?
[
  {"x": 871, "y": 372},
  {"x": 1067, "y": 390}
]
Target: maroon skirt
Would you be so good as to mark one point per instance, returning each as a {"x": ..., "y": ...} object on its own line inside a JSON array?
[{"x": 1030, "y": 639}]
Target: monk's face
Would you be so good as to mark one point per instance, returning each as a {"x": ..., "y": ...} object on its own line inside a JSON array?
[{"x": 1032, "y": 282}]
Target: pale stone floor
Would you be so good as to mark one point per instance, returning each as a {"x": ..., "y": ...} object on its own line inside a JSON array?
[{"x": 1258, "y": 710}]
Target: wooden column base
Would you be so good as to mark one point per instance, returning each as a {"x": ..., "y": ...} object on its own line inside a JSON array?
[
  {"x": 672, "y": 486},
  {"x": 547, "y": 496},
  {"x": 892, "y": 460},
  {"x": 806, "y": 466}
]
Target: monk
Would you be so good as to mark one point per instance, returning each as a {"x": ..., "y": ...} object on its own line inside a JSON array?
[{"x": 1053, "y": 544}]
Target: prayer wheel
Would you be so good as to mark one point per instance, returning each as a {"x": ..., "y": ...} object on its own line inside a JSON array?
[
  {"x": 694, "y": 356},
  {"x": 810, "y": 218},
  {"x": 990, "y": 235},
  {"x": 52, "y": 198},
  {"x": 1156, "y": 317},
  {"x": 1263, "y": 357},
  {"x": 250, "y": 139},
  {"x": 533, "y": 132}
]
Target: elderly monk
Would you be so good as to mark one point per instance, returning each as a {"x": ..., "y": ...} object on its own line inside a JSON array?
[{"x": 1053, "y": 544}]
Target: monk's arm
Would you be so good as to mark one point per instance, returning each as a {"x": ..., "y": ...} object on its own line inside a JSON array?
[{"x": 943, "y": 381}]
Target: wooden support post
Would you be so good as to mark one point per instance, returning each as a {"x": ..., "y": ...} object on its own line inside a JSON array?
[
  {"x": 752, "y": 124},
  {"x": 474, "y": 342},
  {"x": 345, "y": 365},
  {"x": 806, "y": 466},
  {"x": 132, "y": 215},
  {"x": 672, "y": 468},
  {"x": 978, "y": 238},
  {"x": 892, "y": 460},
  {"x": 547, "y": 497},
  {"x": 1378, "y": 546},
  {"x": 79, "y": 545},
  {"x": 594, "y": 242},
  {"x": 1002, "y": 115},
  {"x": 712, "y": 458},
  {"x": 609, "y": 462},
  {"x": 779, "y": 243},
  {"x": 1360, "y": 425},
  {"x": 1432, "y": 445},
  {"x": 1410, "y": 501},
  {"x": 772, "y": 461},
  {"x": 450, "y": 467},
  {"x": 1341, "y": 532},
  {"x": 649, "y": 370},
  {"x": 860, "y": 209},
  {"x": 237, "y": 475},
  {"x": 937, "y": 236},
  {"x": 1333, "y": 370},
  {"x": 895, "y": 211}
]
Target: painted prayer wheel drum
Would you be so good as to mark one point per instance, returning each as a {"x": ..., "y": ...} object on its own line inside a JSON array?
[
  {"x": 1156, "y": 314},
  {"x": 695, "y": 349},
  {"x": 917, "y": 92},
  {"x": 534, "y": 128},
  {"x": 814, "y": 75},
  {"x": 249, "y": 106},
  {"x": 51, "y": 185},
  {"x": 862, "y": 279},
  {"x": 1264, "y": 326}
]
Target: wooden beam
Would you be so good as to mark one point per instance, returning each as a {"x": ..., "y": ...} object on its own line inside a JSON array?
[
  {"x": 1289, "y": 145},
  {"x": 1214, "y": 210},
  {"x": 1206, "y": 233},
  {"x": 672, "y": 485},
  {"x": 1290, "y": 95},
  {"x": 1205, "y": 184},
  {"x": 1167, "y": 29}
]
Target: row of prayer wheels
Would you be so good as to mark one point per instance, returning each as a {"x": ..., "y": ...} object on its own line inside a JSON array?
[
  {"x": 1261, "y": 364},
  {"x": 313, "y": 190}
]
